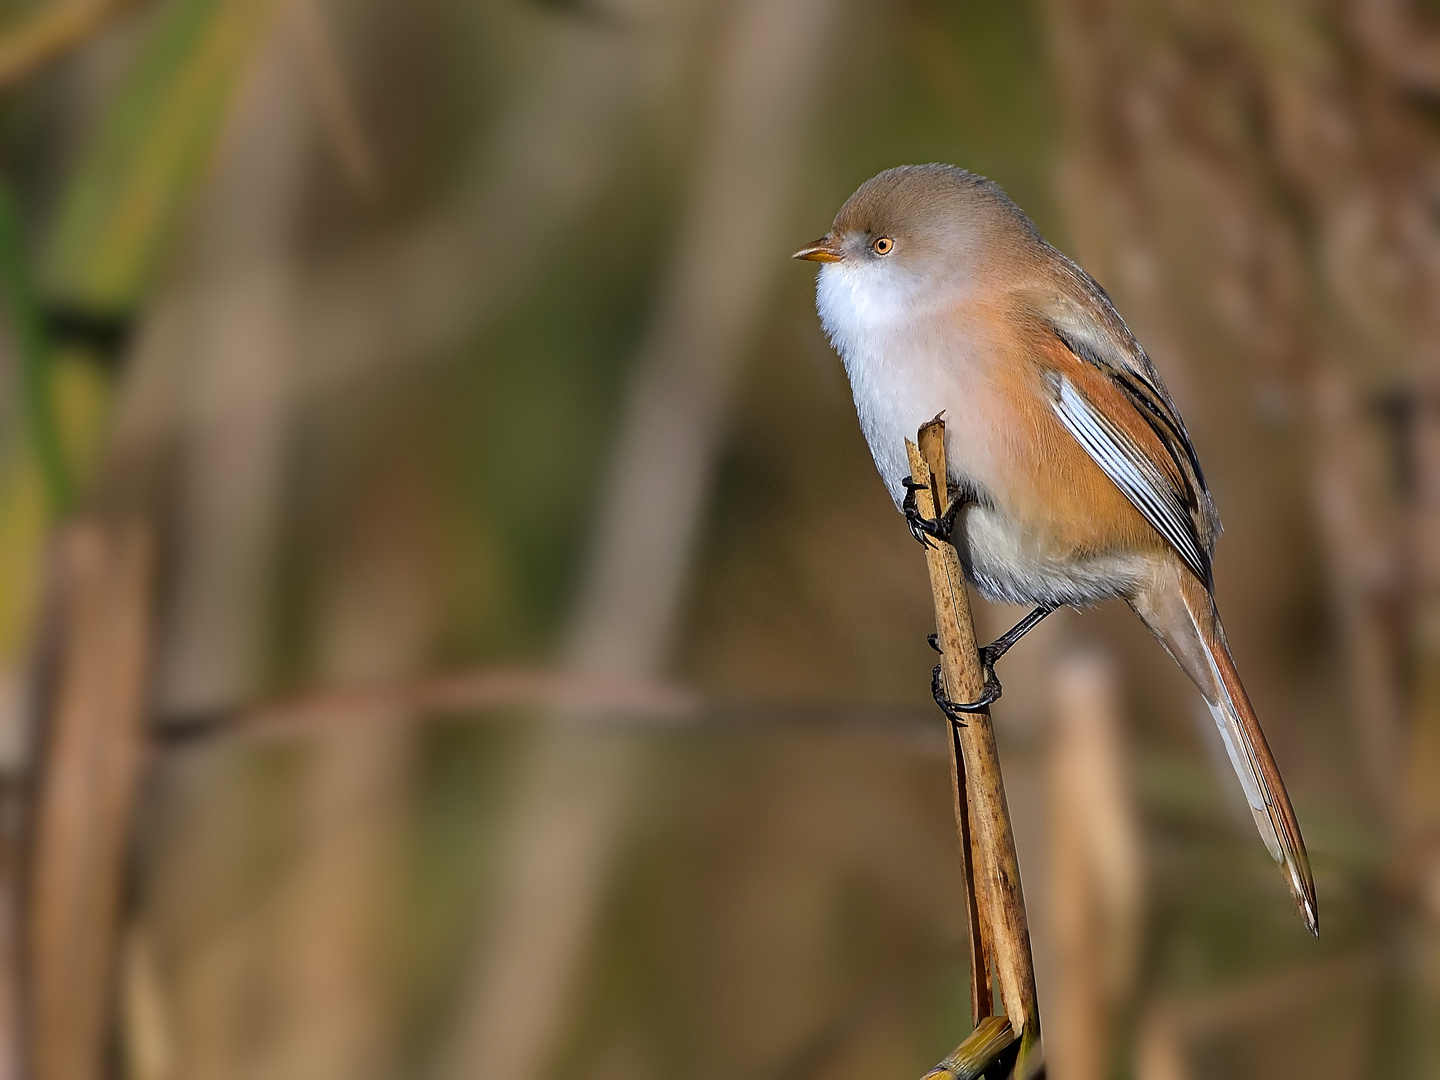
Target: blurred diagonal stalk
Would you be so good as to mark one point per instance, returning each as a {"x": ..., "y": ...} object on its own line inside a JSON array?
[
  {"x": 50, "y": 33},
  {"x": 573, "y": 791},
  {"x": 334, "y": 98},
  {"x": 128, "y": 194}
]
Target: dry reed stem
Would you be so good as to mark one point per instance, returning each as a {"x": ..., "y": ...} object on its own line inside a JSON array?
[
  {"x": 993, "y": 840},
  {"x": 88, "y": 773},
  {"x": 982, "y": 991}
]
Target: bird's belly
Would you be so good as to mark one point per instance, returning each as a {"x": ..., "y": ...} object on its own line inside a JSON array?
[{"x": 1018, "y": 562}]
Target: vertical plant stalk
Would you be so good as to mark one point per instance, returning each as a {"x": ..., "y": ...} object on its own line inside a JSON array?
[
  {"x": 1096, "y": 889},
  {"x": 982, "y": 991},
  {"x": 996, "y": 868},
  {"x": 88, "y": 773}
]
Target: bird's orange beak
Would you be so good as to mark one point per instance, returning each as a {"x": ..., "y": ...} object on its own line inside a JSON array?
[{"x": 823, "y": 250}]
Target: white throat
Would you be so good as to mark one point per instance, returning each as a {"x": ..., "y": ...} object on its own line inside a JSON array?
[
  {"x": 861, "y": 304},
  {"x": 875, "y": 317}
]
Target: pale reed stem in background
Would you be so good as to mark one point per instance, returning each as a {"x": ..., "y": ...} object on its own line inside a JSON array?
[
  {"x": 92, "y": 746},
  {"x": 220, "y": 363},
  {"x": 1095, "y": 884},
  {"x": 997, "y": 869},
  {"x": 202, "y": 427},
  {"x": 1354, "y": 531}
]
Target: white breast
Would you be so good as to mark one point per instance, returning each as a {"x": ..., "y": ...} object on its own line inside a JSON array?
[{"x": 900, "y": 376}]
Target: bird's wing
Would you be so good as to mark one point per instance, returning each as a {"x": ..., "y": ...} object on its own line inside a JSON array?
[
  {"x": 1107, "y": 394},
  {"x": 1126, "y": 462}
]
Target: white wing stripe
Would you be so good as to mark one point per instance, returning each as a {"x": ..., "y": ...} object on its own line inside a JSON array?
[{"x": 1137, "y": 477}]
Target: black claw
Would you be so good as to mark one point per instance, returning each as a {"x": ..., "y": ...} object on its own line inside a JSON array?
[
  {"x": 937, "y": 691},
  {"x": 954, "y": 710},
  {"x": 918, "y": 530},
  {"x": 921, "y": 528}
]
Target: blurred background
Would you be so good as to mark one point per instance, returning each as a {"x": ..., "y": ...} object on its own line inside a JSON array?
[{"x": 450, "y": 624}]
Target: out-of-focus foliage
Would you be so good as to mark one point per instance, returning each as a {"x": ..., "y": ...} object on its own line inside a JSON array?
[
  {"x": 116, "y": 218},
  {"x": 128, "y": 192}
]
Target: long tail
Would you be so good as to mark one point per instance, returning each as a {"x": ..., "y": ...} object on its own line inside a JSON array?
[{"x": 1181, "y": 614}]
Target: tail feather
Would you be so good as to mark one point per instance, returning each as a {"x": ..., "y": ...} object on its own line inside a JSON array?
[{"x": 1184, "y": 618}]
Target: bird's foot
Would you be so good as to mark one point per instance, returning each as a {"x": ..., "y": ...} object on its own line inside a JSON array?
[
  {"x": 955, "y": 711},
  {"x": 921, "y": 527},
  {"x": 991, "y": 689}
]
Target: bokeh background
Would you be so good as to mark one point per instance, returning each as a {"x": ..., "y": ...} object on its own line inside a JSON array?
[{"x": 451, "y": 626}]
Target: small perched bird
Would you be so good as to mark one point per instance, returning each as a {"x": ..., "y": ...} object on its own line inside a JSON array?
[{"x": 1074, "y": 478}]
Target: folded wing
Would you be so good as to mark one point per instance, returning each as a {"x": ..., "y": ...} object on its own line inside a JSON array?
[{"x": 1109, "y": 397}]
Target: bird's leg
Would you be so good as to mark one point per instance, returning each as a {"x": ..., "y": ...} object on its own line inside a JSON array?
[
  {"x": 923, "y": 528},
  {"x": 988, "y": 655},
  {"x": 1003, "y": 644}
]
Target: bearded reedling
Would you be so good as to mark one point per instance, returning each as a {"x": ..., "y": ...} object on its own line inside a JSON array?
[{"x": 1075, "y": 479}]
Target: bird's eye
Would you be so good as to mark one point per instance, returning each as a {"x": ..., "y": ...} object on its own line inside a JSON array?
[{"x": 883, "y": 246}]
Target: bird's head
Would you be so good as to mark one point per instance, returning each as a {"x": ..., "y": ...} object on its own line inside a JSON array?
[
  {"x": 913, "y": 240},
  {"x": 920, "y": 224}
]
